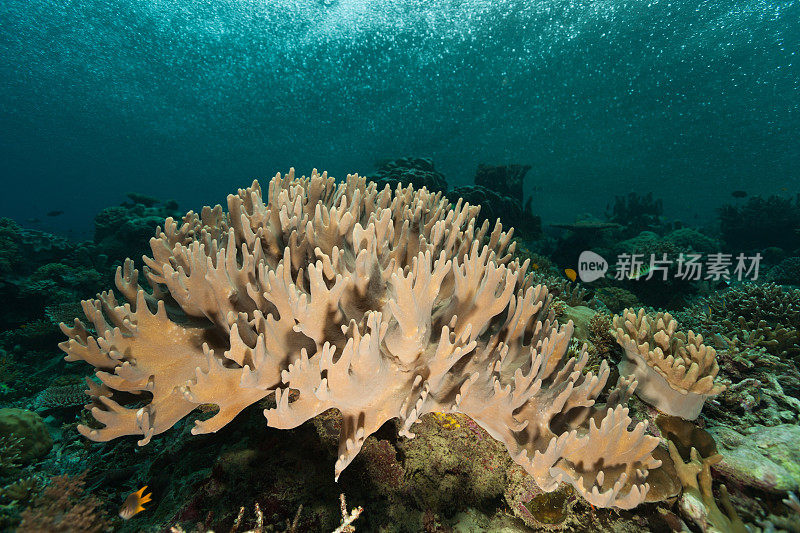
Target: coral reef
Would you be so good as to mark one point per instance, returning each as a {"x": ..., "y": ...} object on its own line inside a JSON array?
[
  {"x": 9, "y": 248},
  {"x": 381, "y": 304},
  {"x": 498, "y": 190},
  {"x": 10, "y": 452},
  {"x": 787, "y": 272},
  {"x": 764, "y": 389},
  {"x": 651, "y": 268},
  {"x": 224, "y": 278},
  {"x": 346, "y": 525},
  {"x": 29, "y": 429},
  {"x": 580, "y": 316},
  {"x": 124, "y": 230},
  {"x": 536, "y": 508},
  {"x": 761, "y": 223},
  {"x": 571, "y": 293},
  {"x": 495, "y": 206},
  {"x": 697, "y": 502},
  {"x": 665, "y": 279},
  {"x": 38, "y": 269},
  {"x": 507, "y": 180},
  {"x": 676, "y": 371},
  {"x": 765, "y": 458},
  {"x": 585, "y": 233},
  {"x": 450, "y": 459},
  {"x": 61, "y": 396},
  {"x": 63, "y": 506},
  {"x": 16, "y": 484},
  {"x": 790, "y": 523},
  {"x": 416, "y": 171},
  {"x": 563, "y": 290},
  {"x": 690, "y": 240},
  {"x": 616, "y": 299},
  {"x": 757, "y": 314},
  {"x": 600, "y": 331},
  {"x": 636, "y": 213},
  {"x": 21, "y": 246}
]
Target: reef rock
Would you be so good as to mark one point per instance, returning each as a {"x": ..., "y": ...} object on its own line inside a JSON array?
[
  {"x": 35, "y": 441},
  {"x": 765, "y": 458}
]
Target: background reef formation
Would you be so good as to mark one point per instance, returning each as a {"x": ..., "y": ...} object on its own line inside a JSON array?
[
  {"x": 381, "y": 304},
  {"x": 498, "y": 189}
]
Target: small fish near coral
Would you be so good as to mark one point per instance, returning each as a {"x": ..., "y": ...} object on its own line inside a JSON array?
[{"x": 134, "y": 503}]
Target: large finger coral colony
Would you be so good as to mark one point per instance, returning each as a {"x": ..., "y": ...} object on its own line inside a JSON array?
[{"x": 379, "y": 303}]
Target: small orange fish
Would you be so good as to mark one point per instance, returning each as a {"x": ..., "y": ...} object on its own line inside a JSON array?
[
  {"x": 134, "y": 503},
  {"x": 571, "y": 274}
]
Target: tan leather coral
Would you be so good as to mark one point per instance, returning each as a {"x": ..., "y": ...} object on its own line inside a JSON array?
[
  {"x": 676, "y": 372},
  {"x": 381, "y": 304}
]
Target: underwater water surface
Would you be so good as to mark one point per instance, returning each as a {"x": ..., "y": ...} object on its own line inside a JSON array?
[
  {"x": 374, "y": 353},
  {"x": 189, "y": 100}
]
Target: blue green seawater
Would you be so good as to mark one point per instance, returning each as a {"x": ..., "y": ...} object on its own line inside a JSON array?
[{"x": 192, "y": 99}]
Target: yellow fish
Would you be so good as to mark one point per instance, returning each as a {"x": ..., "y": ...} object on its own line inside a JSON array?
[
  {"x": 134, "y": 503},
  {"x": 571, "y": 274}
]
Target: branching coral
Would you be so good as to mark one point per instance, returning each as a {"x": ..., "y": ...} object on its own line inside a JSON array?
[
  {"x": 60, "y": 396},
  {"x": 765, "y": 387},
  {"x": 381, "y": 304},
  {"x": 10, "y": 453},
  {"x": 600, "y": 334},
  {"x": 697, "y": 502},
  {"x": 675, "y": 371},
  {"x": 790, "y": 522},
  {"x": 762, "y": 314},
  {"x": 65, "y": 506}
]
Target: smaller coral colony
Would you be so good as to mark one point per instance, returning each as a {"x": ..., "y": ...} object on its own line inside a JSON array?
[{"x": 385, "y": 301}]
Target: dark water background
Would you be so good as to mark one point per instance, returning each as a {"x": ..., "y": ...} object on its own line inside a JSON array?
[{"x": 192, "y": 99}]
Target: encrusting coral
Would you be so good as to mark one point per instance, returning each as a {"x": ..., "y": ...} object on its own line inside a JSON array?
[
  {"x": 381, "y": 304},
  {"x": 676, "y": 372}
]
